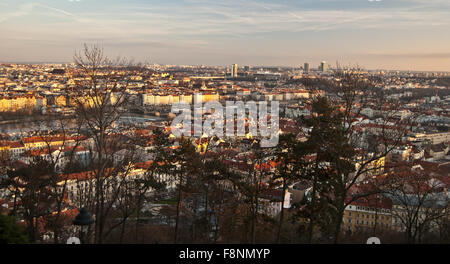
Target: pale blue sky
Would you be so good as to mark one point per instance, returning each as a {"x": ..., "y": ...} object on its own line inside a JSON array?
[{"x": 391, "y": 34}]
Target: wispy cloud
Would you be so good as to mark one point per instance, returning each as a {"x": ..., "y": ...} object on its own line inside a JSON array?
[
  {"x": 23, "y": 9},
  {"x": 237, "y": 18},
  {"x": 28, "y": 8}
]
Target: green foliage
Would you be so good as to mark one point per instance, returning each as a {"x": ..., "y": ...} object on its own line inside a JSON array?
[{"x": 10, "y": 233}]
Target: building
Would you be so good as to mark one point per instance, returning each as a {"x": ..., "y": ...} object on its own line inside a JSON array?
[
  {"x": 365, "y": 215},
  {"x": 4, "y": 150},
  {"x": 432, "y": 138},
  {"x": 323, "y": 66},
  {"x": 80, "y": 184},
  {"x": 293, "y": 111},
  {"x": 271, "y": 201},
  {"x": 234, "y": 69},
  {"x": 60, "y": 157},
  {"x": 24, "y": 102},
  {"x": 306, "y": 68},
  {"x": 437, "y": 151}
]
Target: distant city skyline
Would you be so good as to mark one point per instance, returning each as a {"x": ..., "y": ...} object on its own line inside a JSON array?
[{"x": 382, "y": 34}]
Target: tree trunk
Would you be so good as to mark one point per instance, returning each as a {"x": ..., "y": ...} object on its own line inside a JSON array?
[
  {"x": 280, "y": 223},
  {"x": 337, "y": 229},
  {"x": 312, "y": 215},
  {"x": 178, "y": 213}
]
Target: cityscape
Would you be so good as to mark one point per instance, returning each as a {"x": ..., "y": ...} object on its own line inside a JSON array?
[{"x": 99, "y": 145}]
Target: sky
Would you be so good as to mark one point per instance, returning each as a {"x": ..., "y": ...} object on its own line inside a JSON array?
[{"x": 374, "y": 34}]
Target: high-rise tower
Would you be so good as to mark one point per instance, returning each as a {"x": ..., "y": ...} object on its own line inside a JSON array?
[
  {"x": 234, "y": 70},
  {"x": 306, "y": 68},
  {"x": 323, "y": 66}
]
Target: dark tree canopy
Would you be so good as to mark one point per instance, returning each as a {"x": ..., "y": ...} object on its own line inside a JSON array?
[{"x": 10, "y": 232}]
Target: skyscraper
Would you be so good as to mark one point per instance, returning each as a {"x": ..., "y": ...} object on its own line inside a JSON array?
[
  {"x": 306, "y": 68},
  {"x": 323, "y": 66},
  {"x": 234, "y": 70}
]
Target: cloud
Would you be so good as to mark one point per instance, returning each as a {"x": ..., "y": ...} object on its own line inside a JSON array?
[
  {"x": 27, "y": 9},
  {"x": 23, "y": 10},
  {"x": 57, "y": 10},
  {"x": 238, "y": 18},
  {"x": 232, "y": 26}
]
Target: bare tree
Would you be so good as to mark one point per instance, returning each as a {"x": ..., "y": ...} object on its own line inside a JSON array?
[
  {"x": 419, "y": 201},
  {"x": 100, "y": 98}
]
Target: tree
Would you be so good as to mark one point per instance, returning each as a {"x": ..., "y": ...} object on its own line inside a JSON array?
[
  {"x": 34, "y": 193},
  {"x": 250, "y": 184},
  {"x": 61, "y": 158},
  {"x": 151, "y": 181},
  {"x": 420, "y": 204},
  {"x": 10, "y": 232},
  {"x": 289, "y": 164},
  {"x": 100, "y": 99},
  {"x": 349, "y": 158},
  {"x": 187, "y": 167}
]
